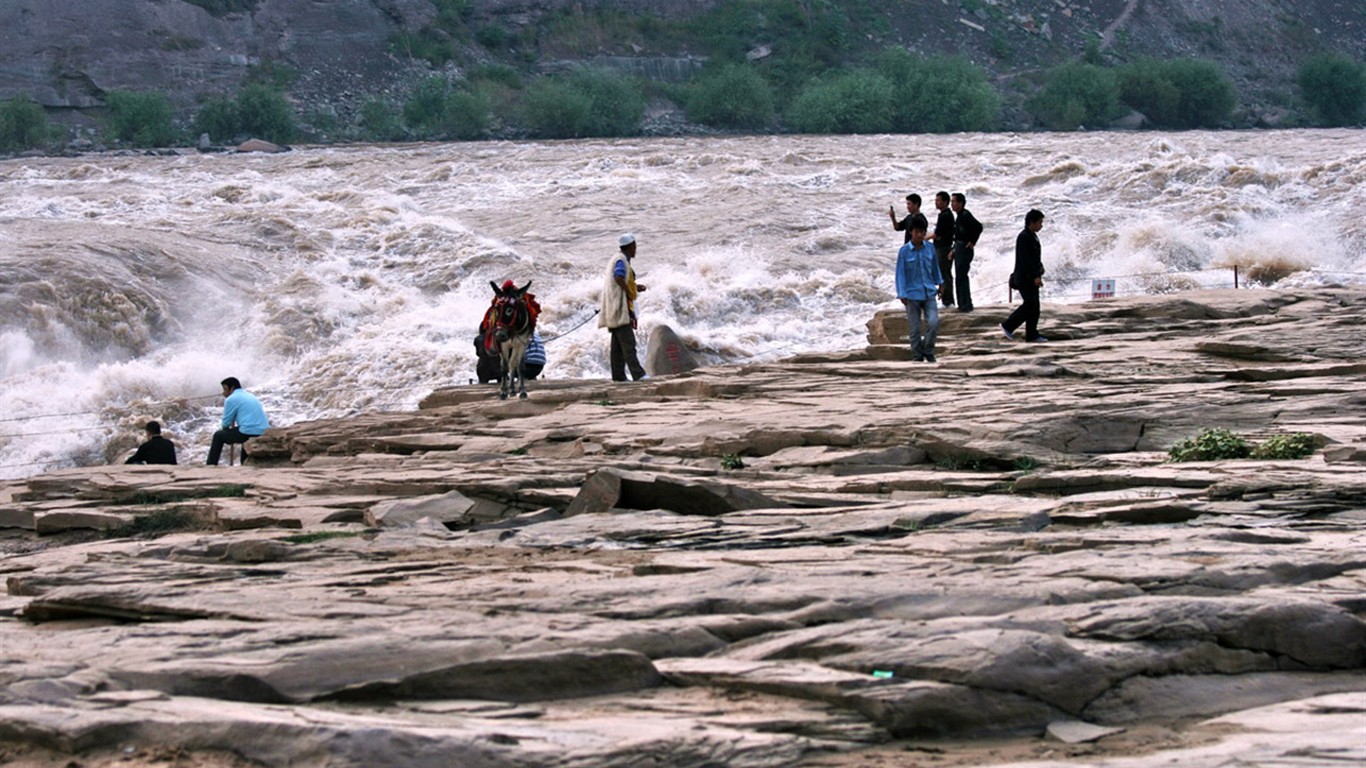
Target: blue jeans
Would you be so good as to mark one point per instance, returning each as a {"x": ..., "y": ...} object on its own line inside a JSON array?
[{"x": 930, "y": 308}]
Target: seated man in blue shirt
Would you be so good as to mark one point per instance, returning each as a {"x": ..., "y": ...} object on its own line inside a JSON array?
[
  {"x": 243, "y": 419},
  {"x": 533, "y": 362}
]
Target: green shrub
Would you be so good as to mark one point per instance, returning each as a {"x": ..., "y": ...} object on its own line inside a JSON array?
[
  {"x": 425, "y": 44},
  {"x": 859, "y": 101},
  {"x": 1297, "y": 445},
  {"x": 732, "y": 96},
  {"x": 1143, "y": 86},
  {"x": 586, "y": 102},
  {"x": 492, "y": 36},
  {"x": 1076, "y": 95},
  {"x": 940, "y": 94},
  {"x": 162, "y": 522},
  {"x": 553, "y": 111},
  {"x": 380, "y": 121},
  {"x": 1181, "y": 93},
  {"x": 23, "y": 125},
  {"x": 257, "y": 111},
  {"x": 1334, "y": 87},
  {"x": 1210, "y": 445},
  {"x": 437, "y": 109},
  {"x": 265, "y": 113},
  {"x": 732, "y": 461},
  {"x": 142, "y": 119},
  {"x": 225, "y": 7}
]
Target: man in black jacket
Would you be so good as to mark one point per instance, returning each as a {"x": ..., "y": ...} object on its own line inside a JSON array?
[
  {"x": 1027, "y": 279},
  {"x": 157, "y": 449},
  {"x": 942, "y": 237},
  {"x": 966, "y": 231}
]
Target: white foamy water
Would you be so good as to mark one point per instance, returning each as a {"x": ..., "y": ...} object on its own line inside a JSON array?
[{"x": 332, "y": 281}]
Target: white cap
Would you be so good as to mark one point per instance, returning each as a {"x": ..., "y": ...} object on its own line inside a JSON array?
[{"x": 626, "y": 239}]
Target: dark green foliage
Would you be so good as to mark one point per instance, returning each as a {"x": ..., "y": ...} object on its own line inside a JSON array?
[
  {"x": 587, "y": 102},
  {"x": 555, "y": 111},
  {"x": 264, "y": 113},
  {"x": 805, "y": 37},
  {"x": 732, "y": 461},
  {"x": 1077, "y": 95},
  {"x": 316, "y": 536},
  {"x": 224, "y": 7},
  {"x": 1181, "y": 93},
  {"x": 380, "y": 121},
  {"x": 216, "y": 117},
  {"x": 492, "y": 36},
  {"x": 1210, "y": 445},
  {"x": 1296, "y": 445},
  {"x": 227, "y": 490},
  {"x": 273, "y": 75},
  {"x": 257, "y": 111},
  {"x": 859, "y": 101},
  {"x": 430, "y": 45},
  {"x": 731, "y": 96},
  {"x": 163, "y": 521},
  {"x": 1334, "y": 87},
  {"x": 23, "y": 125},
  {"x": 939, "y": 94},
  {"x": 141, "y": 119},
  {"x": 438, "y": 110}
]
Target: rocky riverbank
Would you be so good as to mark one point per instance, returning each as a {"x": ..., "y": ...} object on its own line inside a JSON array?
[{"x": 845, "y": 559}]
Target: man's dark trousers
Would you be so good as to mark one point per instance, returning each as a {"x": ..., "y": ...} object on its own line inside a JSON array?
[
  {"x": 229, "y": 436},
  {"x": 623, "y": 354}
]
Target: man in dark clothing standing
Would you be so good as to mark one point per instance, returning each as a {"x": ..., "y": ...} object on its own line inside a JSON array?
[
  {"x": 1027, "y": 279},
  {"x": 912, "y": 213},
  {"x": 966, "y": 230},
  {"x": 943, "y": 244},
  {"x": 157, "y": 449}
]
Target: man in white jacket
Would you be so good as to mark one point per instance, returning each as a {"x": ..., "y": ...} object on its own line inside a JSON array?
[{"x": 618, "y": 313}]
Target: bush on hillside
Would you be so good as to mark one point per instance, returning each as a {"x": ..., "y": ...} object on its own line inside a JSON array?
[
  {"x": 1334, "y": 87},
  {"x": 379, "y": 121},
  {"x": 805, "y": 38},
  {"x": 939, "y": 94},
  {"x": 23, "y": 125},
  {"x": 586, "y": 102},
  {"x": 1077, "y": 95},
  {"x": 265, "y": 113},
  {"x": 1181, "y": 93},
  {"x": 859, "y": 101},
  {"x": 142, "y": 119},
  {"x": 438, "y": 109},
  {"x": 257, "y": 111},
  {"x": 225, "y": 7},
  {"x": 732, "y": 96}
]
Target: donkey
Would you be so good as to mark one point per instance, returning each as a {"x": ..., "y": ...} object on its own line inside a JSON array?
[{"x": 513, "y": 319}]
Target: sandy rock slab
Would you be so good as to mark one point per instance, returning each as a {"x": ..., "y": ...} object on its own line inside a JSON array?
[{"x": 833, "y": 560}]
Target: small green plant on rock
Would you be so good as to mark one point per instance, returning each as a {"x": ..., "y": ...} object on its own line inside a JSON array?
[
  {"x": 1210, "y": 445},
  {"x": 1293, "y": 446},
  {"x": 161, "y": 522},
  {"x": 732, "y": 461}
]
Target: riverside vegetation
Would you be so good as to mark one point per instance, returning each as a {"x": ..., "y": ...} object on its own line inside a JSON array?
[{"x": 770, "y": 66}]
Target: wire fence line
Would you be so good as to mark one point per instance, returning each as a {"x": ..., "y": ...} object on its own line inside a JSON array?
[{"x": 1069, "y": 288}]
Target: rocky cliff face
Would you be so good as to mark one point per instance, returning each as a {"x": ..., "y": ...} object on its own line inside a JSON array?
[
  {"x": 67, "y": 54},
  {"x": 843, "y": 560}
]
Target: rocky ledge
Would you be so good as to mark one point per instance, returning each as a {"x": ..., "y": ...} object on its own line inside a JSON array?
[{"x": 835, "y": 560}]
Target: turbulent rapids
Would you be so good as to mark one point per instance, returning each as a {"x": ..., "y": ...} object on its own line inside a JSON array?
[{"x": 336, "y": 280}]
